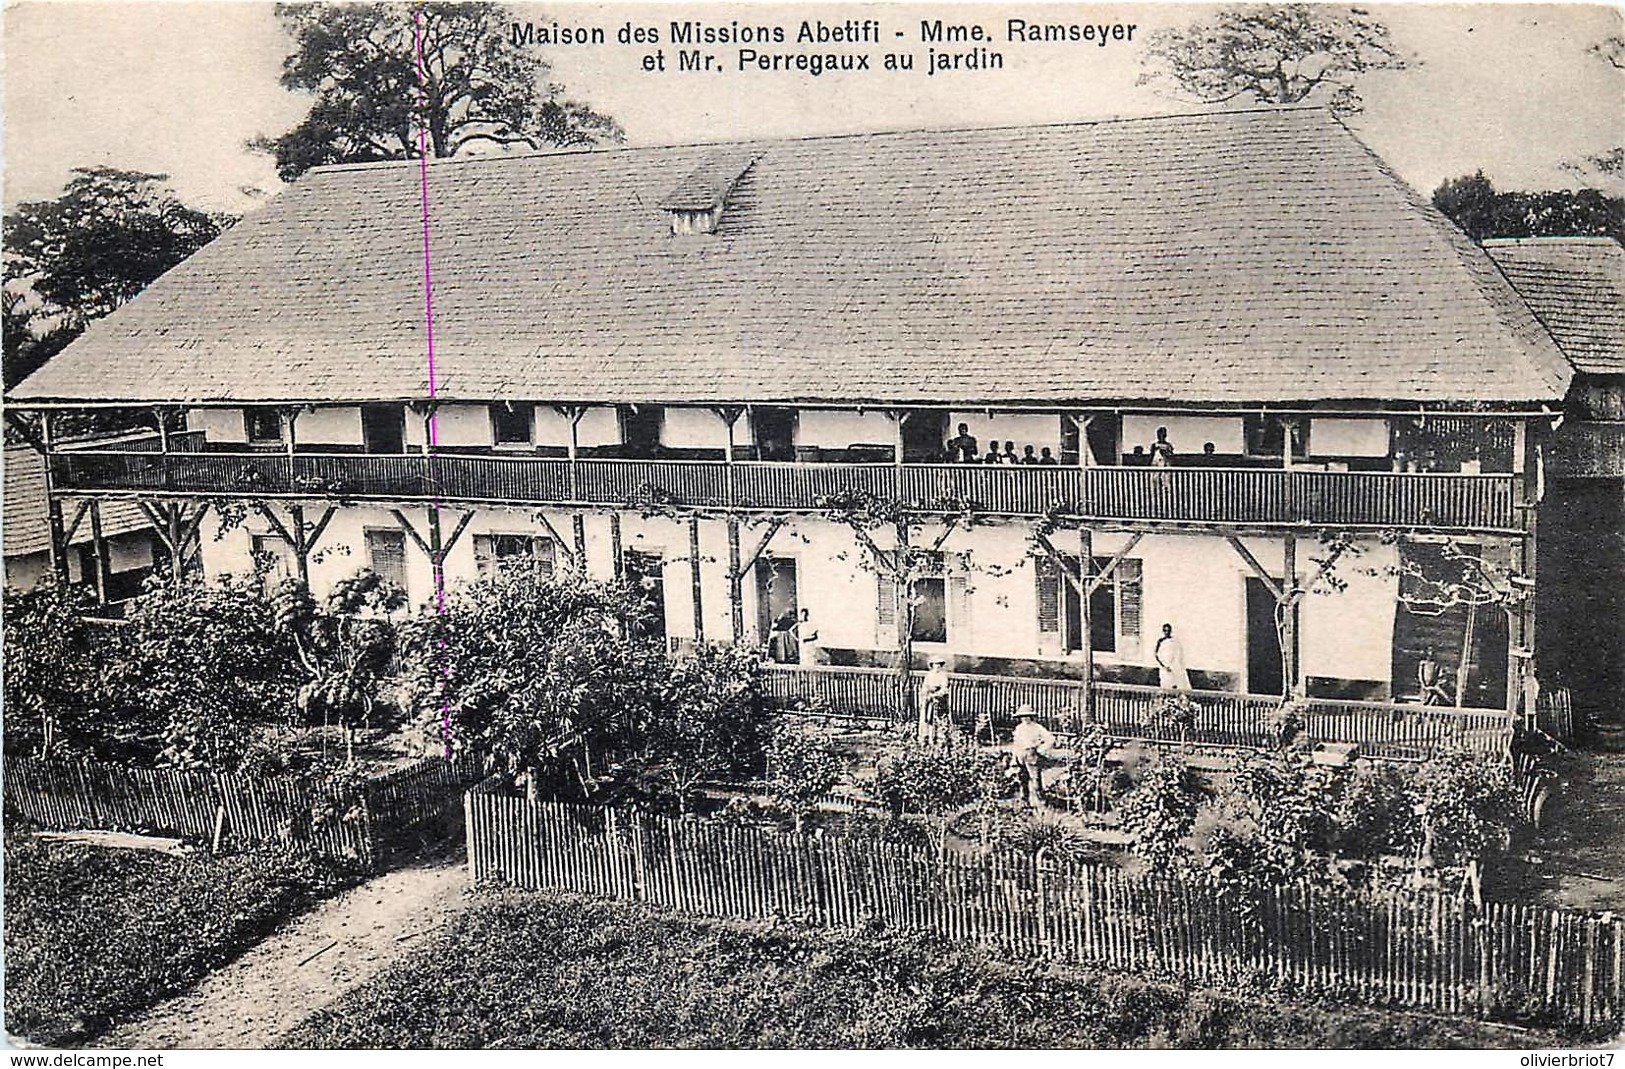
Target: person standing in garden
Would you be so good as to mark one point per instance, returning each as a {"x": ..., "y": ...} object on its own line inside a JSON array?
[
  {"x": 933, "y": 729},
  {"x": 1030, "y": 743}
]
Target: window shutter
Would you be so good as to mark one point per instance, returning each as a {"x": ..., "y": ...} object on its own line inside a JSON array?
[
  {"x": 543, "y": 553},
  {"x": 1129, "y": 593},
  {"x": 1049, "y": 596},
  {"x": 959, "y": 614},
  {"x": 484, "y": 553},
  {"x": 885, "y": 609}
]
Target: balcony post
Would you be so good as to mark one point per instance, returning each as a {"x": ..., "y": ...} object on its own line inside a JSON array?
[
  {"x": 736, "y": 595},
  {"x": 617, "y": 564},
  {"x": 730, "y": 416},
  {"x": 898, "y": 418},
  {"x": 1086, "y": 640},
  {"x": 694, "y": 577},
  {"x": 98, "y": 542},
  {"x": 290, "y": 418},
  {"x": 1289, "y": 617},
  {"x": 574, "y": 413}
]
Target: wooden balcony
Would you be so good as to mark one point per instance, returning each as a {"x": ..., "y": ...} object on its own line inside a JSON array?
[
  {"x": 1380, "y": 729},
  {"x": 1251, "y": 496}
]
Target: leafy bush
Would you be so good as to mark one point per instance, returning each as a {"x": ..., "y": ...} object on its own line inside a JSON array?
[
  {"x": 93, "y": 935},
  {"x": 1160, "y": 811},
  {"x": 802, "y": 768},
  {"x": 559, "y": 971},
  {"x": 51, "y": 662}
]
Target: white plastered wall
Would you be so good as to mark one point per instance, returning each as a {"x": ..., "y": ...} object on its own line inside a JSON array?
[{"x": 1187, "y": 434}]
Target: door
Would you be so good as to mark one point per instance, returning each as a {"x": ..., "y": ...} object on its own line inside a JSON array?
[
  {"x": 1264, "y": 670},
  {"x": 383, "y": 429},
  {"x": 777, "y": 606},
  {"x": 775, "y": 432},
  {"x": 646, "y": 572}
]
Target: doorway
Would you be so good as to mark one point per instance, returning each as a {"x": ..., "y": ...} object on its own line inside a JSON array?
[
  {"x": 640, "y": 430},
  {"x": 647, "y": 574},
  {"x": 775, "y": 433},
  {"x": 777, "y": 607},
  {"x": 383, "y": 429},
  {"x": 1264, "y": 669},
  {"x": 925, "y": 435}
]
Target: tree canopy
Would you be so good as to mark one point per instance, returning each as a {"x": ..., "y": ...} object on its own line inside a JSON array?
[
  {"x": 1274, "y": 54},
  {"x": 1473, "y": 203},
  {"x": 108, "y": 236},
  {"x": 375, "y": 101}
]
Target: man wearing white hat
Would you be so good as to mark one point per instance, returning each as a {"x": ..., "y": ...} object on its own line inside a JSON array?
[{"x": 1030, "y": 742}]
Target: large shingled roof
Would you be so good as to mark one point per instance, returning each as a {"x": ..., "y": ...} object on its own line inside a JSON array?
[
  {"x": 1258, "y": 256},
  {"x": 1577, "y": 288}
]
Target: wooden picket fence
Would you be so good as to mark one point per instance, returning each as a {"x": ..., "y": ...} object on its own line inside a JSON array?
[
  {"x": 1424, "y": 951},
  {"x": 285, "y": 811}
]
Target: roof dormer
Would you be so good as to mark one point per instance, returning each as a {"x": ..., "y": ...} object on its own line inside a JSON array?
[{"x": 697, "y": 204}]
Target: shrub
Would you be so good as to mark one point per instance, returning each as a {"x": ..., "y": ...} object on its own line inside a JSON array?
[
  {"x": 1160, "y": 811},
  {"x": 802, "y": 768}
]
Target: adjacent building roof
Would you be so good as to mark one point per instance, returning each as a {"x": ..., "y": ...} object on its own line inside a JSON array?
[
  {"x": 1256, "y": 256},
  {"x": 1577, "y": 288},
  {"x": 25, "y": 525}
]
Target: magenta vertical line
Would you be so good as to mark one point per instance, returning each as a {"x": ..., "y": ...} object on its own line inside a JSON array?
[{"x": 428, "y": 322}]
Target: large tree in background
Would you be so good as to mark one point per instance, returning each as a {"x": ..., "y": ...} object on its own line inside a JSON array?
[
  {"x": 476, "y": 87},
  {"x": 1473, "y": 203},
  {"x": 1274, "y": 54},
  {"x": 77, "y": 257}
]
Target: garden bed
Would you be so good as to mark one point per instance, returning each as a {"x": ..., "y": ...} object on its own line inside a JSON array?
[
  {"x": 94, "y": 935},
  {"x": 551, "y": 970}
]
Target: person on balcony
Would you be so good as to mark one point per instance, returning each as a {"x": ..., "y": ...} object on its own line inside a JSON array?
[
  {"x": 1430, "y": 681},
  {"x": 1009, "y": 454},
  {"x": 806, "y": 638},
  {"x": 1162, "y": 450},
  {"x": 1046, "y": 457},
  {"x": 1031, "y": 743},
  {"x": 992, "y": 454},
  {"x": 1170, "y": 655},
  {"x": 933, "y": 729},
  {"x": 962, "y": 447},
  {"x": 1028, "y": 456}
]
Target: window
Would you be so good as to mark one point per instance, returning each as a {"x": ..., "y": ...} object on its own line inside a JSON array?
[
  {"x": 262, "y": 424},
  {"x": 273, "y": 555},
  {"x": 1114, "y": 607},
  {"x": 513, "y": 424},
  {"x": 386, "y": 555},
  {"x": 495, "y": 553},
  {"x": 941, "y": 602}
]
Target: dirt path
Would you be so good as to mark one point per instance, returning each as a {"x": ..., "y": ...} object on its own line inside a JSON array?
[{"x": 252, "y": 1001}]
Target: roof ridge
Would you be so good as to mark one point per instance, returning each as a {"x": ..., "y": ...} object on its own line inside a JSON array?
[
  {"x": 1554, "y": 239},
  {"x": 494, "y": 157}
]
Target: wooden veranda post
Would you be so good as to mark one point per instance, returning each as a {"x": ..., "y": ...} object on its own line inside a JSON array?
[
  {"x": 98, "y": 542},
  {"x": 739, "y": 568},
  {"x": 1086, "y": 638},
  {"x": 694, "y": 578}
]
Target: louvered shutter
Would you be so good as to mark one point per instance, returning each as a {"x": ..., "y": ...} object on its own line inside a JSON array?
[
  {"x": 885, "y": 610},
  {"x": 1130, "y": 591},
  {"x": 485, "y": 554},
  {"x": 543, "y": 553},
  {"x": 959, "y": 614},
  {"x": 1049, "y": 597}
]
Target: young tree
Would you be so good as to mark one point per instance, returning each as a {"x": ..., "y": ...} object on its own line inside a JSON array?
[
  {"x": 344, "y": 645},
  {"x": 199, "y": 665},
  {"x": 51, "y": 662},
  {"x": 1274, "y": 54},
  {"x": 709, "y": 720},
  {"x": 520, "y": 668},
  {"x": 384, "y": 74},
  {"x": 935, "y": 782}
]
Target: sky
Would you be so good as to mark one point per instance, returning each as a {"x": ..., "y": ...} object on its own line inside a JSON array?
[{"x": 178, "y": 88}]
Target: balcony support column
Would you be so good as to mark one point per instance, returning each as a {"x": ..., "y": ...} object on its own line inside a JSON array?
[
  {"x": 694, "y": 578},
  {"x": 574, "y": 414},
  {"x": 98, "y": 544},
  {"x": 617, "y": 563},
  {"x": 1290, "y": 683},
  {"x": 737, "y": 569},
  {"x": 299, "y": 535},
  {"x": 729, "y": 414},
  {"x": 898, "y": 418},
  {"x": 436, "y": 547},
  {"x": 1086, "y": 639},
  {"x": 578, "y": 535},
  {"x": 53, "y": 505},
  {"x": 177, "y": 531}
]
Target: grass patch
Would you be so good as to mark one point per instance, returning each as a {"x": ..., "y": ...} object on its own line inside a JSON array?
[
  {"x": 95, "y": 934},
  {"x": 526, "y": 970}
]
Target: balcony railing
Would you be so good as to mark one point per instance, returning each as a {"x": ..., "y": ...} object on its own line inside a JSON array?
[
  {"x": 1246, "y": 496},
  {"x": 1379, "y": 729}
]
